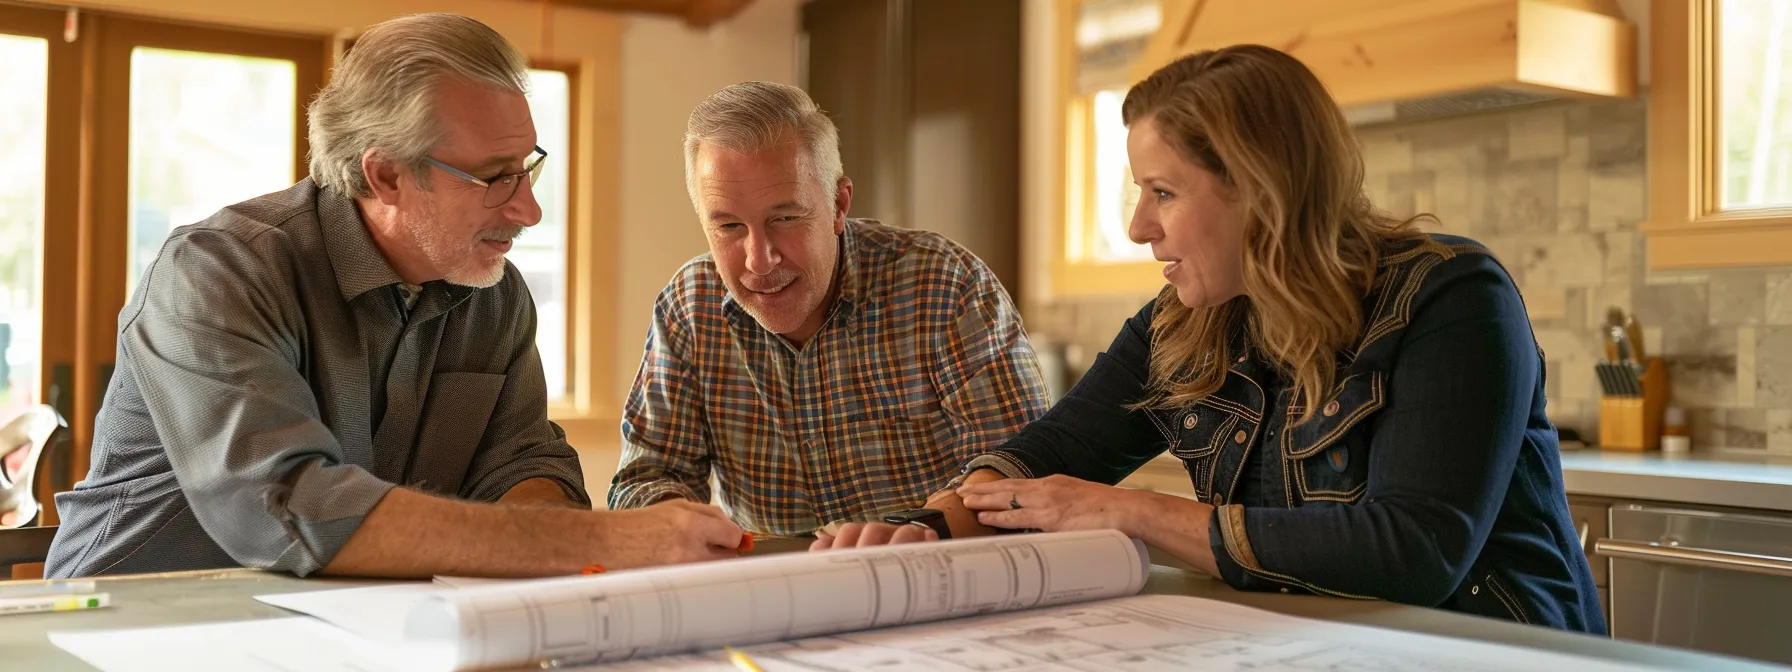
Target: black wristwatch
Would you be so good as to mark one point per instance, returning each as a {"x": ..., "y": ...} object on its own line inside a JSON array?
[{"x": 930, "y": 517}]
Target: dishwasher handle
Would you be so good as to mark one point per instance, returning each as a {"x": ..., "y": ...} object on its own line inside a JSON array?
[{"x": 1693, "y": 557}]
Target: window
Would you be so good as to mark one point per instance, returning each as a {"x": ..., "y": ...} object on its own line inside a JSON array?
[
  {"x": 541, "y": 253},
  {"x": 23, "y": 124},
  {"x": 1105, "y": 40},
  {"x": 207, "y": 130},
  {"x": 1720, "y": 134},
  {"x": 1755, "y": 82}
]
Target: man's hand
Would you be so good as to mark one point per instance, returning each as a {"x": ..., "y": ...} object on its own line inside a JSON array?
[
  {"x": 1055, "y": 504},
  {"x": 670, "y": 532},
  {"x": 854, "y": 535}
]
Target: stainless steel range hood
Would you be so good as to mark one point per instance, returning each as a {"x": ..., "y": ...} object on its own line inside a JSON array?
[{"x": 1396, "y": 60}]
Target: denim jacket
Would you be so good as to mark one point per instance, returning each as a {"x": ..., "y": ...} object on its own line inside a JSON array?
[{"x": 1430, "y": 475}]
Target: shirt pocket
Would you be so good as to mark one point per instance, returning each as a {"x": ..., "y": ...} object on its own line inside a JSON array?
[
  {"x": 897, "y": 452},
  {"x": 453, "y": 427},
  {"x": 1329, "y": 453}
]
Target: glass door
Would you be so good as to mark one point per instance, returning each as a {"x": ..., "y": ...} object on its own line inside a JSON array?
[
  {"x": 183, "y": 121},
  {"x": 39, "y": 192}
]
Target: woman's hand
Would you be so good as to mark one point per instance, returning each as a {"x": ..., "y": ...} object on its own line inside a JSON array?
[{"x": 1054, "y": 504}]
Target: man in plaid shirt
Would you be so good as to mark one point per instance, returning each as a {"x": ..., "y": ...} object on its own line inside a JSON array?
[{"x": 822, "y": 369}]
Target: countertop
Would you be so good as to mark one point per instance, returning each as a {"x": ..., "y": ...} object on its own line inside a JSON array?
[
  {"x": 1718, "y": 479},
  {"x": 194, "y": 597}
]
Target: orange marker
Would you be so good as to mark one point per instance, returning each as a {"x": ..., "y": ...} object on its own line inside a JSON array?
[
  {"x": 746, "y": 542},
  {"x": 592, "y": 569}
]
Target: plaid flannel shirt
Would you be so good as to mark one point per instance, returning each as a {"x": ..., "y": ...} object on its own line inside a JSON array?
[{"x": 922, "y": 365}]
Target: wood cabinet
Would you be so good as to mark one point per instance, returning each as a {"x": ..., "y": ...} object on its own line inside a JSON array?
[{"x": 926, "y": 96}]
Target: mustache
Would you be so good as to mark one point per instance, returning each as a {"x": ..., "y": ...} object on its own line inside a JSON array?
[
  {"x": 507, "y": 233},
  {"x": 775, "y": 280}
]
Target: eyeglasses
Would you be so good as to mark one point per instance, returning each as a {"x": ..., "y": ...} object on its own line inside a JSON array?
[{"x": 500, "y": 189}]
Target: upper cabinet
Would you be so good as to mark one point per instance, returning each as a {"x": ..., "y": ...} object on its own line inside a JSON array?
[
  {"x": 1382, "y": 60},
  {"x": 1720, "y": 134}
]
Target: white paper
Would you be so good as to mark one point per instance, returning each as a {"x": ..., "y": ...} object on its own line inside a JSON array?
[
  {"x": 1148, "y": 632},
  {"x": 268, "y": 645},
  {"x": 376, "y": 613},
  {"x": 647, "y": 612},
  {"x": 1138, "y": 633},
  {"x": 773, "y": 598}
]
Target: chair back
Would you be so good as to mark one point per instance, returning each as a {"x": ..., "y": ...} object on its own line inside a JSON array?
[
  {"x": 23, "y": 550},
  {"x": 24, "y": 442}
]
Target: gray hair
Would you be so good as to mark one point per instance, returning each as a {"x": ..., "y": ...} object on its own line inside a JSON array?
[
  {"x": 750, "y": 117},
  {"x": 383, "y": 94}
]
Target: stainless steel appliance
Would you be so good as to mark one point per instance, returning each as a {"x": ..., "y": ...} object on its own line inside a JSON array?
[{"x": 1707, "y": 579}]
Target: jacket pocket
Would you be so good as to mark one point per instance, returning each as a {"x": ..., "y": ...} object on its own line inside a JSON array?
[
  {"x": 1329, "y": 453},
  {"x": 1197, "y": 432},
  {"x": 454, "y": 419}
]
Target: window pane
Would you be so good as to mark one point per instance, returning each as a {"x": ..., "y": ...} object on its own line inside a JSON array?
[
  {"x": 207, "y": 130},
  {"x": 1755, "y": 58},
  {"x": 541, "y": 252},
  {"x": 25, "y": 79},
  {"x": 1115, "y": 193}
]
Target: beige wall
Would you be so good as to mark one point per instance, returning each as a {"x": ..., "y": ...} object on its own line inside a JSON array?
[{"x": 667, "y": 69}]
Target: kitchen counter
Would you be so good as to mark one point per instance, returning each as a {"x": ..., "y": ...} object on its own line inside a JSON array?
[{"x": 1716, "y": 479}]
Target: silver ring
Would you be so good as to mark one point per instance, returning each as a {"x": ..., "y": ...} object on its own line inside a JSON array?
[{"x": 1013, "y": 501}]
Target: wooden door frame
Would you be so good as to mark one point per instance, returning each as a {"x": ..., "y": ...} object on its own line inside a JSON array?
[
  {"x": 59, "y": 281},
  {"x": 103, "y": 235}
]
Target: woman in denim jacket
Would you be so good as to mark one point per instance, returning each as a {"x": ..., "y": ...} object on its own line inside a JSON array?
[{"x": 1359, "y": 405}]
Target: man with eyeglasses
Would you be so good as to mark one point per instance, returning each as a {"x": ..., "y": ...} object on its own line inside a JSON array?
[{"x": 341, "y": 378}]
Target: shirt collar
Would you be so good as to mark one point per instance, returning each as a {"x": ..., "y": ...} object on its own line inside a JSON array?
[{"x": 359, "y": 265}]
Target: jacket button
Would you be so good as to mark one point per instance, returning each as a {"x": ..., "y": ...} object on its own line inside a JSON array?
[
  {"x": 1240, "y": 437},
  {"x": 1474, "y": 590},
  {"x": 1189, "y": 422},
  {"x": 1331, "y": 408},
  {"x": 1284, "y": 591},
  {"x": 1219, "y": 499}
]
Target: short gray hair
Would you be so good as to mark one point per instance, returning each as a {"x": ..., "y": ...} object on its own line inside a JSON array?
[
  {"x": 383, "y": 94},
  {"x": 750, "y": 117}
]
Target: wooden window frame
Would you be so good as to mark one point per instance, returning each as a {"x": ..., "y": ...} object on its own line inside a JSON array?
[
  {"x": 63, "y": 167},
  {"x": 1687, "y": 226},
  {"x": 79, "y": 243},
  {"x": 1075, "y": 168}
]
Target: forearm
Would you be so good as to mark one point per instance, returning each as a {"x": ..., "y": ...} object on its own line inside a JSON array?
[
  {"x": 413, "y": 535},
  {"x": 1177, "y": 525},
  {"x": 961, "y": 519}
]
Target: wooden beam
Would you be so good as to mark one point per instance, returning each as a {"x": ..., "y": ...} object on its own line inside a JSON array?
[
  {"x": 696, "y": 13},
  {"x": 705, "y": 13}
]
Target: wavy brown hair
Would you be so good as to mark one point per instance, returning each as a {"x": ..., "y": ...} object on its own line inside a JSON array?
[{"x": 1264, "y": 124}]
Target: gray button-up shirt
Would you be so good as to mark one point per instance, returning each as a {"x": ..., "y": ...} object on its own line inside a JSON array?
[{"x": 272, "y": 385}]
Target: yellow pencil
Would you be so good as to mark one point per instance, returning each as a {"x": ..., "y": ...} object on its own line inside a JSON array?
[{"x": 741, "y": 660}]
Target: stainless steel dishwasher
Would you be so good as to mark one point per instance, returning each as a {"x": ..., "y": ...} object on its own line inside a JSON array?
[{"x": 1705, "y": 579}]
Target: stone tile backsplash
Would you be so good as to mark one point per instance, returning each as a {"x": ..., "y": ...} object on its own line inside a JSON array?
[{"x": 1557, "y": 193}]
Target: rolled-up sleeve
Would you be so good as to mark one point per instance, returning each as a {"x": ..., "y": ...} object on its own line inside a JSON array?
[
  {"x": 520, "y": 442},
  {"x": 221, "y": 380},
  {"x": 664, "y": 448}
]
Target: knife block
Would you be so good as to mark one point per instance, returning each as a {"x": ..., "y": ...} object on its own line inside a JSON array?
[{"x": 1634, "y": 422}]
